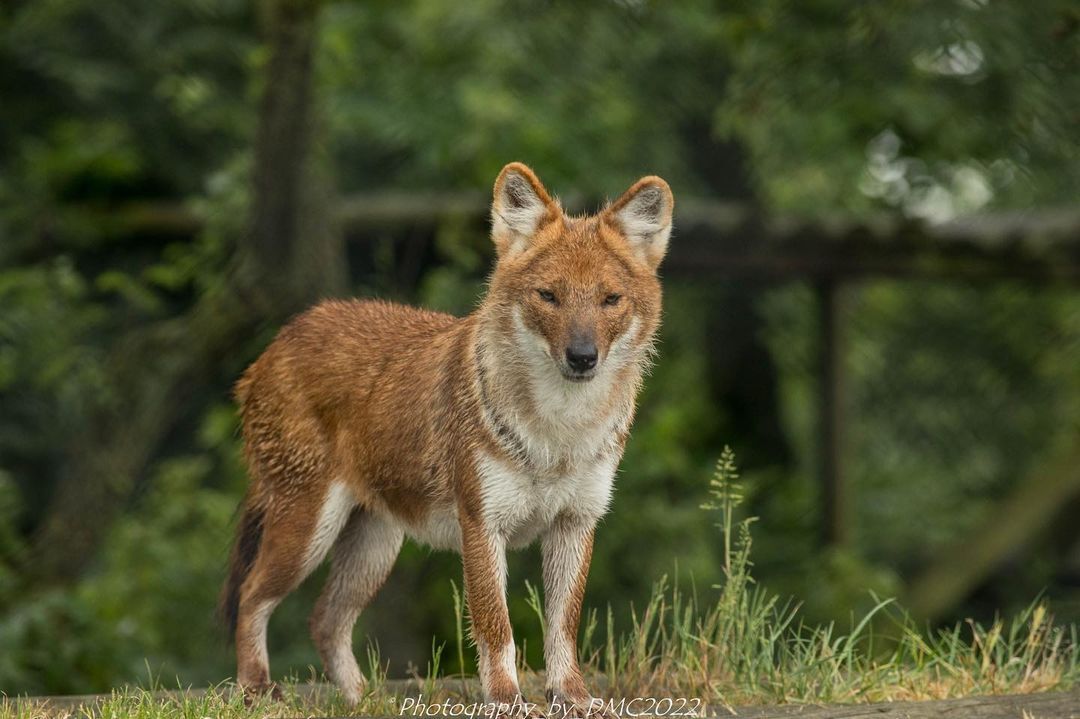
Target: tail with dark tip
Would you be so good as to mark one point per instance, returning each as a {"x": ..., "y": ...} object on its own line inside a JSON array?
[{"x": 248, "y": 537}]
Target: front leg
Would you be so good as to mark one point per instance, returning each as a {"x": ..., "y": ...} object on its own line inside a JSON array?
[
  {"x": 484, "y": 557},
  {"x": 567, "y": 550}
]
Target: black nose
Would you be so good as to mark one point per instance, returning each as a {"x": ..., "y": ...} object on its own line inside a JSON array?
[{"x": 581, "y": 356}]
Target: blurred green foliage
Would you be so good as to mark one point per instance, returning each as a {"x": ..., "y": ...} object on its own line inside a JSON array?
[{"x": 932, "y": 109}]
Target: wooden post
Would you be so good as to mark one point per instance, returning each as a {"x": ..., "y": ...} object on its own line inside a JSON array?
[{"x": 834, "y": 524}]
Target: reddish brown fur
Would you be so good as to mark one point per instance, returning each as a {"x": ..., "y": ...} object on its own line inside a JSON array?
[{"x": 394, "y": 405}]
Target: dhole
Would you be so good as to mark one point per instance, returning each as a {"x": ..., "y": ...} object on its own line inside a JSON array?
[{"x": 366, "y": 422}]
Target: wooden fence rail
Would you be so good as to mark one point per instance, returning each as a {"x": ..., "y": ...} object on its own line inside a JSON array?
[{"x": 716, "y": 238}]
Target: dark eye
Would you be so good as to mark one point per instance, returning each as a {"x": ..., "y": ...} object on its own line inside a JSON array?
[
  {"x": 612, "y": 299},
  {"x": 547, "y": 296}
]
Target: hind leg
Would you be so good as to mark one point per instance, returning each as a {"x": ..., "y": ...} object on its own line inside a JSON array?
[
  {"x": 362, "y": 558},
  {"x": 298, "y": 531}
]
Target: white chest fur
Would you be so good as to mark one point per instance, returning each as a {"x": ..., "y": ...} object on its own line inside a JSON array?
[
  {"x": 521, "y": 505},
  {"x": 565, "y": 451}
]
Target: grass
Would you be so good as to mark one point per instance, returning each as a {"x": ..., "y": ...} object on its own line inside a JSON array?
[
  {"x": 746, "y": 646},
  {"x": 741, "y": 645}
]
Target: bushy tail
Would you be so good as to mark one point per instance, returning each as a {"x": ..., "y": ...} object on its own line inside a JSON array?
[{"x": 248, "y": 537}]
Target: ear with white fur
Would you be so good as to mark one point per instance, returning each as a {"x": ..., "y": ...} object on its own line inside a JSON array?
[
  {"x": 643, "y": 214},
  {"x": 521, "y": 206}
]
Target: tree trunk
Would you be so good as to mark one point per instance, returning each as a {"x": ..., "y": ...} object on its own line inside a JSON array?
[
  {"x": 292, "y": 253},
  {"x": 295, "y": 250}
]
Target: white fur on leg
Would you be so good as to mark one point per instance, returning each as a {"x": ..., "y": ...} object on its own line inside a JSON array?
[
  {"x": 564, "y": 549},
  {"x": 362, "y": 558},
  {"x": 497, "y": 661},
  {"x": 337, "y": 505},
  {"x": 253, "y": 638}
]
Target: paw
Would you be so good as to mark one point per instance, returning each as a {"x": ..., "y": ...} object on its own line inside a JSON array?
[
  {"x": 352, "y": 692},
  {"x": 254, "y": 692}
]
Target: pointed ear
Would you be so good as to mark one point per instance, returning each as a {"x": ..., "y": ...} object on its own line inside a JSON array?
[
  {"x": 643, "y": 214},
  {"x": 520, "y": 207}
]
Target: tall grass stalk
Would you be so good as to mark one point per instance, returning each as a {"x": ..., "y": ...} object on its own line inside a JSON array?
[{"x": 459, "y": 626}]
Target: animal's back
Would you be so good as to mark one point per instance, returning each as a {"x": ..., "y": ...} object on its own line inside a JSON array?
[
  {"x": 326, "y": 375},
  {"x": 338, "y": 343}
]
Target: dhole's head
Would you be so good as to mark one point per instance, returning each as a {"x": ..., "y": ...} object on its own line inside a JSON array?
[{"x": 581, "y": 290}]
